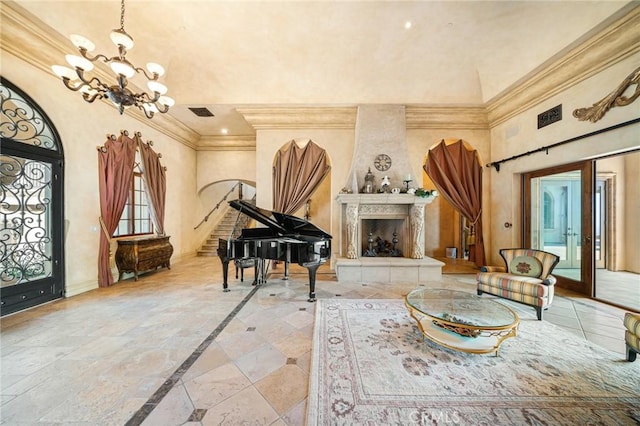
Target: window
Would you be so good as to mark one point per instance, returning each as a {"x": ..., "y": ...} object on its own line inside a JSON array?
[{"x": 136, "y": 218}]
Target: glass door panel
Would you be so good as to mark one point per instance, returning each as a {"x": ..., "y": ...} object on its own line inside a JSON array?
[
  {"x": 25, "y": 216},
  {"x": 600, "y": 234},
  {"x": 30, "y": 236},
  {"x": 556, "y": 225}
]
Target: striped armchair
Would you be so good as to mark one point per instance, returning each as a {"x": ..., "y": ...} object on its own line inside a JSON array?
[
  {"x": 632, "y": 335},
  {"x": 525, "y": 278}
]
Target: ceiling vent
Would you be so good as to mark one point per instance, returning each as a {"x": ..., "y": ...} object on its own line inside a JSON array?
[
  {"x": 201, "y": 112},
  {"x": 550, "y": 116}
]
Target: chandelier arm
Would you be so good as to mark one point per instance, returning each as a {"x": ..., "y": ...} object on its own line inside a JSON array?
[
  {"x": 144, "y": 97},
  {"x": 164, "y": 108},
  {"x": 153, "y": 77},
  {"x": 98, "y": 83},
  {"x": 91, "y": 98},
  {"x": 148, "y": 114},
  {"x": 68, "y": 85},
  {"x": 86, "y": 55}
]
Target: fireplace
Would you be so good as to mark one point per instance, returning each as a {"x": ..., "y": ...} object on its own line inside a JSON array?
[
  {"x": 382, "y": 215},
  {"x": 381, "y": 129},
  {"x": 404, "y": 213}
]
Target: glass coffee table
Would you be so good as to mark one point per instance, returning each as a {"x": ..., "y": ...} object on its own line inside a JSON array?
[{"x": 460, "y": 320}]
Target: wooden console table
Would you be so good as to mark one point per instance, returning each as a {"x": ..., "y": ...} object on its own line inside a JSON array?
[{"x": 142, "y": 253}]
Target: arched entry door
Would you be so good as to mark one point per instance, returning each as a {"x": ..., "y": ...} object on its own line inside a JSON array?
[{"x": 31, "y": 204}]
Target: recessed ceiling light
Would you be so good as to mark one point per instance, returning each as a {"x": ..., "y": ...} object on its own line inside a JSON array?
[
  {"x": 224, "y": 131},
  {"x": 407, "y": 25}
]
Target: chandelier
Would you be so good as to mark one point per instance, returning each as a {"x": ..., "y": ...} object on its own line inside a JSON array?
[{"x": 92, "y": 88}]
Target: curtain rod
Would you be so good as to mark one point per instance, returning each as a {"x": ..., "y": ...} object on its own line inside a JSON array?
[{"x": 496, "y": 164}]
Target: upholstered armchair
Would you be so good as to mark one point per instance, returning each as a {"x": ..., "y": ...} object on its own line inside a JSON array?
[
  {"x": 632, "y": 335},
  {"x": 525, "y": 278}
]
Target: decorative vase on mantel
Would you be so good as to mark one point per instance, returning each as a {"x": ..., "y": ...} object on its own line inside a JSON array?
[{"x": 369, "y": 183}]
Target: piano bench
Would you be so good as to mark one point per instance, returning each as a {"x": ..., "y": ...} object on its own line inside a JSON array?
[{"x": 241, "y": 264}]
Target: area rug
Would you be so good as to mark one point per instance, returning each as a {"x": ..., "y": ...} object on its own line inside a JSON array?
[{"x": 371, "y": 366}]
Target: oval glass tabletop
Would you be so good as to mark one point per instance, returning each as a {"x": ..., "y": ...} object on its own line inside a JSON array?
[{"x": 459, "y": 307}]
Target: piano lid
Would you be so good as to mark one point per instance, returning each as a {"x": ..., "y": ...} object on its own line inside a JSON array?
[{"x": 279, "y": 222}]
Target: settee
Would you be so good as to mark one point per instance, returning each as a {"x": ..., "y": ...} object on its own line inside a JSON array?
[
  {"x": 526, "y": 278},
  {"x": 632, "y": 335}
]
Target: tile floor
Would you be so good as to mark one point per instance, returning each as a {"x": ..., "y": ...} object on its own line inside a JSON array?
[{"x": 173, "y": 349}]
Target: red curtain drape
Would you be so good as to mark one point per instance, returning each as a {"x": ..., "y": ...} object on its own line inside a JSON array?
[
  {"x": 155, "y": 181},
  {"x": 457, "y": 174},
  {"x": 296, "y": 175},
  {"x": 115, "y": 173}
]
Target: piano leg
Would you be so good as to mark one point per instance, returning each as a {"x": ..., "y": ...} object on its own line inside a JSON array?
[
  {"x": 223, "y": 254},
  {"x": 286, "y": 270},
  {"x": 256, "y": 272},
  {"x": 286, "y": 262},
  {"x": 313, "y": 267},
  {"x": 225, "y": 274}
]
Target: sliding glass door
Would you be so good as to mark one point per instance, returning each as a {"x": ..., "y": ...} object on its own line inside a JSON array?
[{"x": 617, "y": 226}]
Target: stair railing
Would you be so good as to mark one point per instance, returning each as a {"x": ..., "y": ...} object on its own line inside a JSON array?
[
  {"x": 206, "y": 218},
  {"x": 242, "y": 221}
]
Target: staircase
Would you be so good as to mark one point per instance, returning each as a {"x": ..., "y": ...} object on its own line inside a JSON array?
[{"x": 223, "y": 230}]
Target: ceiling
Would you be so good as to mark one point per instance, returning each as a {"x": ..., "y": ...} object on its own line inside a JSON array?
[{"x": 228, "y": 54}]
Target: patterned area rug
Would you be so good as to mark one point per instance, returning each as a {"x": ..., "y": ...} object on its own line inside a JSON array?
[{"x": 371, "y": 366}]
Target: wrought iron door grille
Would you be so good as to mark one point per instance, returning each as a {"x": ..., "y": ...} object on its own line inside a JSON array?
[{"x": 25, "y": 214}]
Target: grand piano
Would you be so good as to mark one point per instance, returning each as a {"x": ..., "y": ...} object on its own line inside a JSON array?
[{"x": 284, "y": 238}]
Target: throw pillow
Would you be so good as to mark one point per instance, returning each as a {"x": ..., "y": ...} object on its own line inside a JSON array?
[{"x": 528, "y": 266}]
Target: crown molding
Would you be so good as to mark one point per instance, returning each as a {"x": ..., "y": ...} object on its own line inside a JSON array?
[
  {"x": 450, "y": 117},
  {"x": 604, "y": 47},
  {"x": 227, "y": 143},
  {"x": 303, "y": 117},
  {"x": 31, "y": 40},
  {"x": 417, "y": 116}
]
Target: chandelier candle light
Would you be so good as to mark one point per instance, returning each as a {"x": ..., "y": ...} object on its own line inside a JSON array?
[{"x": 92, "y": 88}]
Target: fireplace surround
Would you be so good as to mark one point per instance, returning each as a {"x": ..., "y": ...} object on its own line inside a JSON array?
[{"x": 406, "y": 214}]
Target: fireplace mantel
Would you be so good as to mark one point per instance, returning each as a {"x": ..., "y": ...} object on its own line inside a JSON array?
[
  {"x": 380, "y": 206},
  {"x": 385, "y": 198}
]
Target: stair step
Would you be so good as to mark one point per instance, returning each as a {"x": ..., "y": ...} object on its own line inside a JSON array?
[
  {"x": 223, "y": 230},
  {"x": 206, "y": 253}
]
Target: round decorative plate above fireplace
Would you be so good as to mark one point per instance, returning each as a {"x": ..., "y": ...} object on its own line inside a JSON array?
[{"x": 382, "y": 162}]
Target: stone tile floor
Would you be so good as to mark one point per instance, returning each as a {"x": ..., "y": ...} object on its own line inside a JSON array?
[{"x": 173, "y": 349}]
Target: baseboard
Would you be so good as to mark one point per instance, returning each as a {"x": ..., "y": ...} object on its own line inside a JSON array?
[{"x": 79, "y": 288}]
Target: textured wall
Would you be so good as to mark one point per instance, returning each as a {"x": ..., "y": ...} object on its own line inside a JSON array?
[{"x": 380, "y": 129}]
